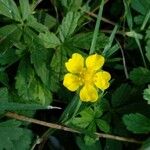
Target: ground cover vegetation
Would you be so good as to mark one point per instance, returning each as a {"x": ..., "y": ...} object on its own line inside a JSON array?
[{"x": 74, "y": 74}]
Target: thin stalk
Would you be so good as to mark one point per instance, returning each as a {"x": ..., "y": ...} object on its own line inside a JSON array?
[
  {"x": 145, "y": 20},
  {"x": 64, "y": 128},
  {"x": 141, "y": 51},
  {"x": 96, "y": 30}
]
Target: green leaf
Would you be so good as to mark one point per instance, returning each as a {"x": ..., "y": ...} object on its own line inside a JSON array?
[
  {"x": 9, "y": 34},
  {"x": 58, "y": 62},
  {"x": 25, "y": 9},
  {"x": 71, "y": 5},
  {"x": 49, "y": 40},
  {"x": 89, "y": 140},
  {"x": 11, "y": 134},
  {"x": 137, "y": 123},
  {"x": 81, "y": 144},
  {"x": 3, "y": 78},
  {"x": 121, "y": 95},
  {"x": 9, "y": 31},
  {"x": 39, "y": 57},
  {"x": 13, "y": 106},
  {"x": 113, "y": 145},
  {"x": 147, "y": 38},
  {"x": 83, "y": 41},
  {"x": 35, "y": 25},
  {"x": 69, "y": 24},
  {"x": 28, "y": 87},
  {"x": 9, "y": 9},
  {"x": 128, "y": 14},
  {"x": 141, "y": 6},
  {"x": 140, "y": 76},
  {"x": 8, "y": 57},
  {"x": 86, "y": 117},
  {"x": 103, "y": 125},
  {"x": 146, "y": 95},
  {"x": 4, "y": 95},
  {"x": 24, "y": 141}
]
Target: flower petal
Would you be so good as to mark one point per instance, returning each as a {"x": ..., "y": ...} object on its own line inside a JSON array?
[
  {"x": 95, "y": 61},
  {"x": 71, "y": 82},
  {"x": 88, "y": 93},
  {"x": 75, "y": 64},
  {"x": 101, "y": 79}
]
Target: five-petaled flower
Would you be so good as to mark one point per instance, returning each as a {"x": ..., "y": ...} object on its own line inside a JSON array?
[{"x": 86, "y": 75}]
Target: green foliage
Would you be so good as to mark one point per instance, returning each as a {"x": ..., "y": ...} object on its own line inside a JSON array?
[
  {"x": 148, "y": 44},
  {"x": 90, "y": 118},
  {"x": 83, "y": 146},
  {"x": 140, "y": 76},
  {"x": 146, "y": 94},
  {"x": 68, "y": 25},
  {"x": 121, "y": 95},
  {"x": 11, "y": 133},
  {"x": 37, "y": 38},
  {"x": 9, "y": 9},
  {"x": 29, "y": 87},
  {"x": 50, "y": 40},
  {"x": 137, "y": 123}
]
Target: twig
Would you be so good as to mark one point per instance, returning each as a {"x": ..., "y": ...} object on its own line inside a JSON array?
[
  {"x": 124, "y": 61},
  {"x": 60, "y": 127},
  {"x": 103, "y": 19}
]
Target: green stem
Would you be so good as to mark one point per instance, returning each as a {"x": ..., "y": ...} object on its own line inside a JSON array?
[
  {"x": 96, "y": 30},
  {"x": 145, "y": 20}
]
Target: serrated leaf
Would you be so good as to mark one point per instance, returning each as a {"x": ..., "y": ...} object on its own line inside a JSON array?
[
  {"x": 29, "y": 88},
  {"x": 140, "y": 6},
  {"x": 25, "y": 9},
  {"x": 8, "y": 57},
  {"x": 9, "y": 34},
  {"x": 9, "y": 9},
  {"x": 39, "y": 57},
  {"x": 86, "y": 117},
  {"x": 11, "y": 133},
  {"x": 24, "y": 141},
  {"x": 103, "y": 125},
  {"x": 81, "y": 144},
  {"x": 140, "y": 76},
  {"x": 90, "y": 140},
  {"x": 49, "y": 39},
  {"x": 146, "y": 95},
  {"x": 83, "y": 40},
  {"x": 71, "y": 5},
  {"x": 3, "y": 78},
  {"x": 35, "y": 25},
  {"x": 121, "y": 95},
  {"x": 58, "y": 62},
  {"x": 137, "y": 123},
  {"x": 68, "y": 25}
]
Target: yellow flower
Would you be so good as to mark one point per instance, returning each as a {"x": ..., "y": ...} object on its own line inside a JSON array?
[{"x": 86, "y": 75}]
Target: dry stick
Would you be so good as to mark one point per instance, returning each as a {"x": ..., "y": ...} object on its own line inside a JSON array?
[
  {"x": 59, "y": 127},
  {"x": 103, "y": 19}
]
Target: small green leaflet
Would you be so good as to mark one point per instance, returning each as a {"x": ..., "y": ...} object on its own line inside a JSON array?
[
  {"x": 68, "y": 25},
  {"x": 137, "y": 123},
  {"x": 140, "y": 76},
  {"x": 49, "y": 39},
  {"x": 146, "y": 94}
]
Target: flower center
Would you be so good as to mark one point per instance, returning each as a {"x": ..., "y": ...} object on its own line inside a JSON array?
[{"x": 86, "y": 76}]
